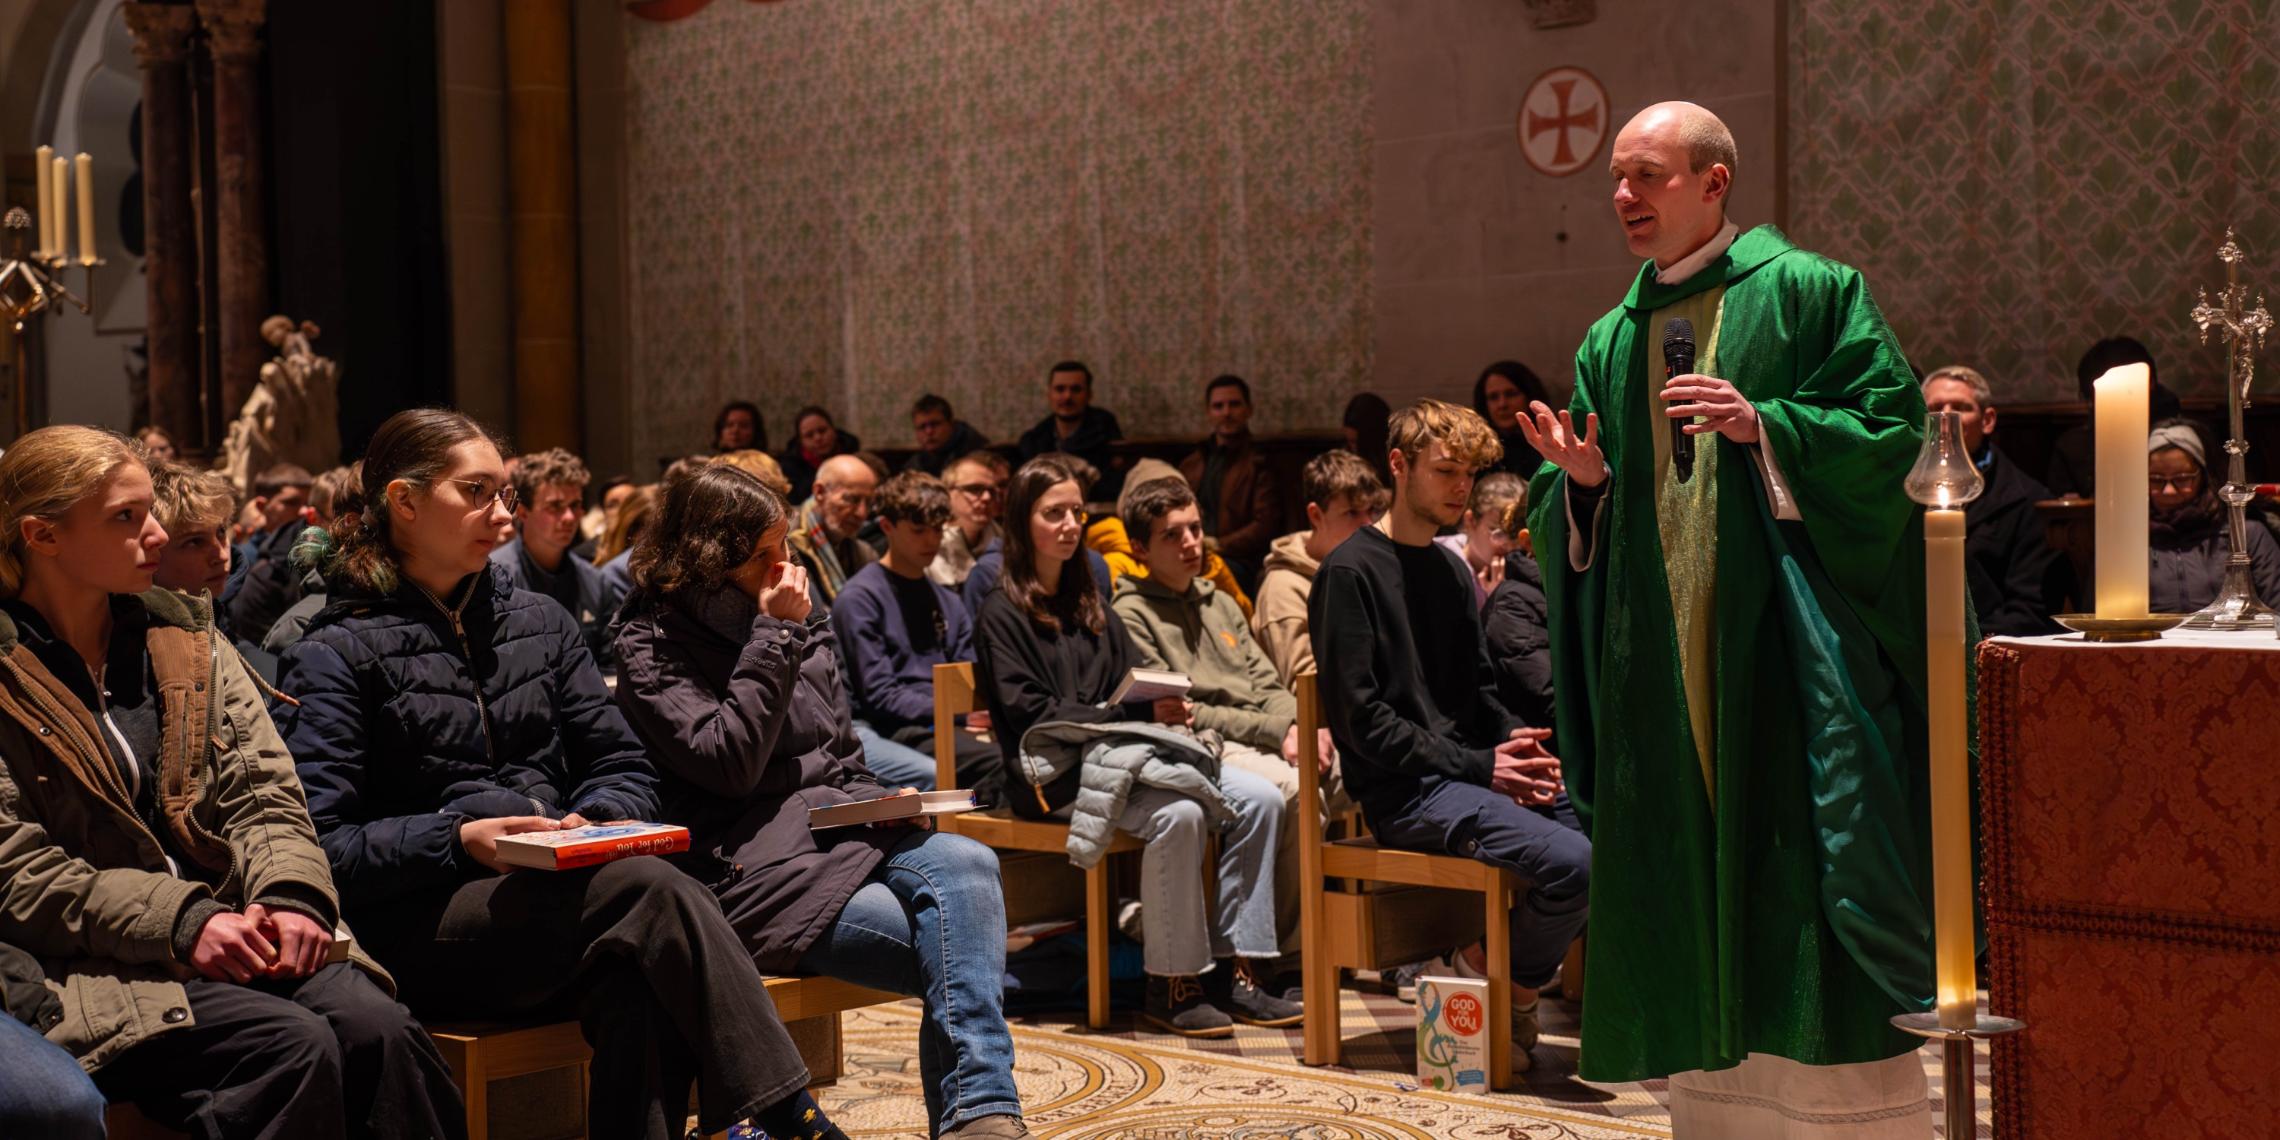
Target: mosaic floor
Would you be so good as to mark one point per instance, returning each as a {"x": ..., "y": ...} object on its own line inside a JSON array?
[{"x": 1130, "y": 1084}]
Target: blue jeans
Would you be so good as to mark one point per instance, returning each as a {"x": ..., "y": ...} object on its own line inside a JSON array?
[
  {"x": 930, "y": 922},
  {"x": 1183, "y": 935},
  {"x": 43, "y": 1092},
  {"x": 1542, "y": 845},
  {"x": 896, "y": 765}
]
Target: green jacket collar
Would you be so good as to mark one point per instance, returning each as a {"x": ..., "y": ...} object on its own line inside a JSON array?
[
  {"x": 166, "y": 607},
  {"x": 1751, "y": 250}
]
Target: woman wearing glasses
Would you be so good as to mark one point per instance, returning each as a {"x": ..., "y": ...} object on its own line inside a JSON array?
[
  {"x": 433, "y": 710},
  {"x": 2189, "y": 535},
  {"x": 1053, "y": 653}
]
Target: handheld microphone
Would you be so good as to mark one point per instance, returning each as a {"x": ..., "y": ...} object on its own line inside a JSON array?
[{"x": 1678, "y": 360}]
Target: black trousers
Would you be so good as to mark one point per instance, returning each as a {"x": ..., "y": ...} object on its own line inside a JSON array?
[
  {"x": 1544, "y": 845},
  {"x": 665, "y": 990},
  {"x": 322, "y": 1056}
]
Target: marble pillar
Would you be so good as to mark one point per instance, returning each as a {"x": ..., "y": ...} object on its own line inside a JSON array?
[
  {"x": 170, "y": 224},
  {"x": 241, "y": 178}
]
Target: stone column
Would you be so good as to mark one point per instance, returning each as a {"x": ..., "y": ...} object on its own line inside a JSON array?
[
  {"x": 542, "y": 214},
  {"x": 170, "y": 224},
  {"x": 233, "y": 31}
]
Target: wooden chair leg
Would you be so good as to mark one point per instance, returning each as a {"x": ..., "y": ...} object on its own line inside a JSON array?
[
  {"x": 1318, "y": 973},
  {"x": 1571, "y": 972},
  {"x": 475, "y": 1093},
  {"x": 1097, "y": 931},
  {"x": 1497, "y": 940}
]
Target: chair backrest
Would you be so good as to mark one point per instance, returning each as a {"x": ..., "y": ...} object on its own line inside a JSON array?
[
  {"x": 953, "y": 697},
  {"x": 1309, "y": 760}
]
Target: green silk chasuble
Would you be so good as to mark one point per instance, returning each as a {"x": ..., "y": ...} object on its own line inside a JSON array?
[{"x": 1768, "y": 891}]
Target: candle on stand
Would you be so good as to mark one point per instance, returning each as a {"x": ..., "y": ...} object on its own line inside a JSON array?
[
  {"x": 86, "y": 172},
  {"x": 1952, "y": 895},
  {"x": 1944, "y": 479},
  {"x": 47, "y": 200},
  {"x": 60, "y": 175},
  {"x": 2120, "y": 410}
]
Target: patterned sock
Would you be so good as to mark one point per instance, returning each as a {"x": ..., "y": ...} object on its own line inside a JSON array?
[{"x": 797, "y": 1117}]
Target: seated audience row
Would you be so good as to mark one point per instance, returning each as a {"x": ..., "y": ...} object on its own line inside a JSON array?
[
  {"x": 444, "y": 657},
  {"x": 156, "y": 850}
]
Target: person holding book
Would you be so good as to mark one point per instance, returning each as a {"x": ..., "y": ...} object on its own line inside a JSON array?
[
  {"x": 896, "y": 625},
  {"x": 433, "y": 711},
  {"x": 1052, "y": 655},
  {"x": 1181, "y": 622},
  {"x": 1436, "y": 761},
  {"x": 154, "y": 852},
  {"x": 734, "y": 683}
]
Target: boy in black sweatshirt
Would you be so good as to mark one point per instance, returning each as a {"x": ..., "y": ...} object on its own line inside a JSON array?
[{"x": 1434, "y": 758}]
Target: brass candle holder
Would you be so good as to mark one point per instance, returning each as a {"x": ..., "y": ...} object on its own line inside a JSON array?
[{"x": 30, "y": 284}]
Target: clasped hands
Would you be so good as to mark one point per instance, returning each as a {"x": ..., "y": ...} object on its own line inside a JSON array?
[
  {"x": 260, "y": 943},
  {"x": 1524, "y": 771},
  {"x": 1722, "y": 407}
]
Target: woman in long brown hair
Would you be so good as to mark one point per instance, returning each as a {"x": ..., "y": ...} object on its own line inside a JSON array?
[
  {"x": 154, "y": 851},
  {"x": 737, "y": 687},
  {"x": 440, "y": 711},
  {"x": 1053, "y": 654}
]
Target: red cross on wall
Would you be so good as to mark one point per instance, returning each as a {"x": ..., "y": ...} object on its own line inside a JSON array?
[{"x": 1563, "y": 120}]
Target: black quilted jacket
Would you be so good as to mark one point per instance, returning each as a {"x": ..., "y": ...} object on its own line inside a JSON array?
[{"x": 417, "y": 714}]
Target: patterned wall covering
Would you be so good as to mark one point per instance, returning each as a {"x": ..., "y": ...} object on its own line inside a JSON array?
[
  {"x": 853, "y": 201},
  {"x": 2019, "y": 178}
]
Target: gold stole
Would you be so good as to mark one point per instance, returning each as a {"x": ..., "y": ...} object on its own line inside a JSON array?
[{"x": 1686, "y": 514}]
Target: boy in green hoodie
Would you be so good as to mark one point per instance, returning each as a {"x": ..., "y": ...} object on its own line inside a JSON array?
[{"x": 1181, "y": 622}]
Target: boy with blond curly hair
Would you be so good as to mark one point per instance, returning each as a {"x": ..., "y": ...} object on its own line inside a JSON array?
[{"x": 1435, "y": 759}]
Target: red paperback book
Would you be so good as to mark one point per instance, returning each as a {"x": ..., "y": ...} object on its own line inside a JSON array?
[{"x": 586, "y": 846}]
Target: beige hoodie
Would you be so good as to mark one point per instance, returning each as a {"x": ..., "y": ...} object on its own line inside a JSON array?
[{"x": 1278, "y": 616}]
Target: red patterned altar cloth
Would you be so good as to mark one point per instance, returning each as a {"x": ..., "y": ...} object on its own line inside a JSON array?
[{"x": 2130, "y": 806}]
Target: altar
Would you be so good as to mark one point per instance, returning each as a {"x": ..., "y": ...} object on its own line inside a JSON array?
[{"x": 2130, "y": 823}]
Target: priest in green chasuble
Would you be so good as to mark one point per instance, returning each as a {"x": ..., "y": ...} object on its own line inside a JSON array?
[{"x": 1739, "y": 664}]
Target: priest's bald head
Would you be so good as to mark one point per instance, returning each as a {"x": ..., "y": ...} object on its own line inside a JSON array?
[{"x": 1673, "y": 165}]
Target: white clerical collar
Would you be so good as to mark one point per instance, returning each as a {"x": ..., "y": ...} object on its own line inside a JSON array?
[{"x": 1692, "y": 263}]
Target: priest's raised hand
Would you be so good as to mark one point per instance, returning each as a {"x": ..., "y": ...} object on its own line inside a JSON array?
[{"x": 1555, "y": 438}]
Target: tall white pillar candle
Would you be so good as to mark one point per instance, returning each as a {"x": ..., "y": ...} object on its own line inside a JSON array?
[{"x": 2122, "y": 398}]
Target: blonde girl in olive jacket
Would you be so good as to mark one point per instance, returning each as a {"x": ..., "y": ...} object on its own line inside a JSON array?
[{"x": 155, "y": 852}]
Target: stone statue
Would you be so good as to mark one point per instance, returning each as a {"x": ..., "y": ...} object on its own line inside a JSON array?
[{"x": 293, "y": 415}]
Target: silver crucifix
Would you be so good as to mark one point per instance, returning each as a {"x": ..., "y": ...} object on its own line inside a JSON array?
[{"x": 2242, "y": 329}]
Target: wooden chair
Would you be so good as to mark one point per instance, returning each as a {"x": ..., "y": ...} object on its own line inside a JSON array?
[
  {"x": 122, "y": 1121},
  {"x": 1340, "y": 926},
  {"x": 1000, "y": 828},
  {"x": 481, "y": 1054}
]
